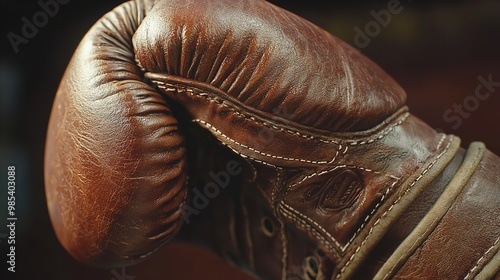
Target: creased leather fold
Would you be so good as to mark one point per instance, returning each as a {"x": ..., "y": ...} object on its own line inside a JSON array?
[
  {"x": 294, "y": 154},
  {"x": 270, "y": 60}
]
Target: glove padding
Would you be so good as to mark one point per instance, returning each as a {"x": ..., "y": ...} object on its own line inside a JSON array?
[
  {"x": 343, "y": 159},
  {"x": 115, "y": 159}
]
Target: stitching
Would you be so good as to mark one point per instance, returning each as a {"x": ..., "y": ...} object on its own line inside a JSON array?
[
  {"x": 480, "y": 260},
  {"x": 174, "y": 88},
  {"x": 248, "y": 157},
  {"x": 277, "y": 169},
  {"x": 382, "y": 135},
  {"x": 308, "y": 228},
  {"x": 385, "y": 132},
  {"x": 316, "y": 173},
  {"x": 345, "y": 150},
  {"x": 367, "y": 218},
  {"x": 392, "y": 206},
  {"x": 259, "y": 152},
  {"x": 339, "y": 166},
  {"x": 293, "y": 212},
  {"x": 304, "y": 224},
  {"x": 283, "y": 234},
  {"x": 343, "y": 248},
  {"x": 441, "y": 141}
]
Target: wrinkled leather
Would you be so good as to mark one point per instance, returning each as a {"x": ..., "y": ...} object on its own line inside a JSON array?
[{"x": 245, "y": 128}]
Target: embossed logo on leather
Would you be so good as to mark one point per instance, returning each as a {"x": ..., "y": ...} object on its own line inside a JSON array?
[{"x": 339, "y": 192}]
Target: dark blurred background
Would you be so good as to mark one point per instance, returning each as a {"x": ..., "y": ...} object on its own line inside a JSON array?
[{"x": 439, "y": 51}]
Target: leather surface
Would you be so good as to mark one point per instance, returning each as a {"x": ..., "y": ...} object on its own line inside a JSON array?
[
  {"x": 268, "y": 59},
  {"x": 462, "y": 230},
  {"x": 114, "y": 156},
  {"x": 245, "y": 128},
  {"x": 409, "y": 220}
]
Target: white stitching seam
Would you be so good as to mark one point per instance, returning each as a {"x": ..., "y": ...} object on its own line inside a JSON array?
[
  {"x": 480, "y": 260},
  {"x": 441, "y": 141},
  {"x": 299, "y": 217},
  {"x": 174, "y": 88},
  {"x": 367, "y": 218},
  {"x": 219, "y": 101},
  {"x": 211, "y": 127},
  {"x": 307, "y": 227},
  {"x": 284, "y": 241},
  {"x": 392, "y": 206},
  {"x": 342, "y": 248}
]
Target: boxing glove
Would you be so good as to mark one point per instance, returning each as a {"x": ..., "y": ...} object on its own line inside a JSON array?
[{"x": 244, "y": 128}]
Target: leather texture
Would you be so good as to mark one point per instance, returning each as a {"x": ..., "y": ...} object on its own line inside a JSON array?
[{"x": 244, "y": 128}]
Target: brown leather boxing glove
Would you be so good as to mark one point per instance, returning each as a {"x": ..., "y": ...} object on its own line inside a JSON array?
[{"x": 245, "y": 128}]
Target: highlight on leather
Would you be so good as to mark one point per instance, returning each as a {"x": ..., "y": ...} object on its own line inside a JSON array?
[
  {"x": 115, "y": 159},
  {"x": 164, "y": 99},
  {"x": 114, "y": 156},
  {"x": 268, "y": 59}
]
